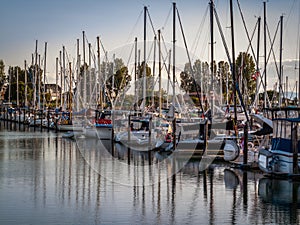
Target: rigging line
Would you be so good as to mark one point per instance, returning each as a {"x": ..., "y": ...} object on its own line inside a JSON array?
[
  {"x": 290, "y": 12},
  {"x": 250, "y": 45},
  {"x": 150, "y": 52},
  {"x": 274, "y": 57},
  {"x": 105, "y": 52},
  {"x": 298, "y": 42},
  {"x": 151, "y": 22},
  {"x": 247, "y": 33},
  {"x": 268, "y": 58},
  {"x": 130, "y": 55},
  {"x": 188, "y": 55},
  {"x": 164, "y": 43},
  {"x": 135, "y": 25},
  {"x": 222, "y": 36},
  {"x": 199, "y": 32},
  {"x": 168, "y": 16}
]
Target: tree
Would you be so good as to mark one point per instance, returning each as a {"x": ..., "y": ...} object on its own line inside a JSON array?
[
  {"x": 225, "y": 78},
  {"x": 191, "y": 77},
  {"x": 245, "y": 69},
  {"x": 2, "y": 79},
  {"x": 2, "y": 73},
  {"x": 117, "y": 79},
  {"x": 140, "y": 83}
]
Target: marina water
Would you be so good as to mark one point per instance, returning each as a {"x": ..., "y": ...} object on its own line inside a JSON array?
[{"x": 47, "y": 179}]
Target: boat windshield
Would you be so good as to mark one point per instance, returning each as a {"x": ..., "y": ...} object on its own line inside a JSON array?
[{"x": 283, "y": 129}]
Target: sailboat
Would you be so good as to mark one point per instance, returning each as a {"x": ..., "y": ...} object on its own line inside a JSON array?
[
  {"x": 101, "y": 127},
  {"x": 282, "y": 157}
]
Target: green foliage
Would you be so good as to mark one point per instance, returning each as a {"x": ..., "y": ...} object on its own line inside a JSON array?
[
  {"x": 221, "y": 72},
  {"x": 245, "y": 68},
  {"x": 118, "y": 78},
  {"x": 2, "y": 73}
]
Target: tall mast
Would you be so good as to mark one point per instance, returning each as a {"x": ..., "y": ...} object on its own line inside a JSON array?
[
  {"x": 25, "y": 66},
  {"x": 144, "y": 69},
  {"x": 84, "y": 71},
  {"x": 44, "y": 85},
  {"x": 280, "y": 63},
  {"x": 64, "y": 68},
  {"x": 113, "y": 80},
  {"x": 70, "y": 89},
  {"x": 257, "y": 59},
  {"x": 39, "y": 82},
  {"x": 35, "y": 75},
  {"x": 77, "y": 81},
  {"x": 212, "y": 54},
  {"x": 233, "y": 61},
  {"x": 99, "y": 80},
  {"x": 153, "y": 71},
  {"x": 265, "y": 55},
  {"x": 299, "y": 74},
  {"x": 174, "y": 40},
  {"x": 169, "y": 75},
  {"x": 174, "y": 77},
  {"x": 61, "y": 79},
  {"x": 56, "y": 83},
  {"x": 89, "y": 85},
  {"x": 135, "y": 69},
  {"x": 9, "y": 81},
  {"x": 17, "y": 86},
  {"x": 159, "y": 72}
]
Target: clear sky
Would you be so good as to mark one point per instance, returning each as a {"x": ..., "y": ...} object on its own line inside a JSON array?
[{"x": 118, "y": 22}]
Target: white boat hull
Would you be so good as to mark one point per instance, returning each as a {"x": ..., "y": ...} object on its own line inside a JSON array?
[
  {"x": 276, "y": 161},
  {"x": 139, "y": 140},
  {"x": 102, "y": 133}
]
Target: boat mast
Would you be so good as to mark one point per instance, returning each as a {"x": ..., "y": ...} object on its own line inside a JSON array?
[
  {"x": 135, "y": 69},
  {"x": 233, "y": 62},
  {"x": 174, "y": 78},
  {"x": 212, "y": 55},
  {"x": 144, "y": 69},
  {"x": 44, "y": 85},
  {"x": 70, "y": 91},
  {"x": 280, "y": 64},
  {"x": 299, "y": 74},
  {"x": 153, "y": 71},
  {"x": 26, "y": 103},
  {"x": 9, "y": 82},
  {"x": 159, "y": 72},
  {"x": 61, "y": 79},
  {"x": 77, "y": 81},
  {"x": 35, "y": 75},
  {"x": 39, "y": 76},
  {"x": 265, "y": 56},
  {"x": 257, "y": 60},
  {"x": 99, "y": 80},
  {"x": 89, "y": 85},
  {"x": 174, "y": 40},
  {"x": 56, "y": 83},
  {"x": 17, "y": 86},
  {"x": 84, "y": 71},
  {"x": 64, "y": 68}
]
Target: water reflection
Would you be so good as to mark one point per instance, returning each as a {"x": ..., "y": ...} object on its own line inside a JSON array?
[{"x": 45, "y": 179}]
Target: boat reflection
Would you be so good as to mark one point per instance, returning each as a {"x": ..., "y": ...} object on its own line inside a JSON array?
[{"x": 280, "y": 192}]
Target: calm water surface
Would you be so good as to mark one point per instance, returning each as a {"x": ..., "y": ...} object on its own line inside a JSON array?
[{"x": 47, "y": 179}]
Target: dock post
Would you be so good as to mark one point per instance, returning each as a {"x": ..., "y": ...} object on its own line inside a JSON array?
[{"x": 245, "y": 158}]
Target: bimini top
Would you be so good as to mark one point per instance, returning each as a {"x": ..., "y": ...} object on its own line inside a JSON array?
[{"x": 292, "y": 120}]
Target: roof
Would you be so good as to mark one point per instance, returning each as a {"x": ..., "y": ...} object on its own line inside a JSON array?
[{"x": 292, "y": 120}]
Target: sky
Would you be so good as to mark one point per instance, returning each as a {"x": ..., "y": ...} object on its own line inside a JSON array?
[{"x": 118, "y": 22}]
